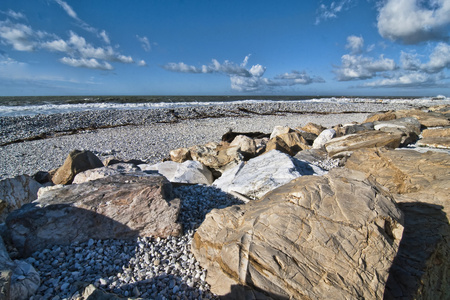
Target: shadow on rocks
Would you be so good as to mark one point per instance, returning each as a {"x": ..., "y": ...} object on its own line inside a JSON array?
[{"x": 421, "y": 266}]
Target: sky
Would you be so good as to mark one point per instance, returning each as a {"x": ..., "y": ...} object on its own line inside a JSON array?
[{"x": 212, "y": 47}]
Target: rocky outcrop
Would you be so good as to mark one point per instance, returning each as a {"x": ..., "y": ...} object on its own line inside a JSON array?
[
  {"x": 76, "y": 162},
  {"x": 192, "y": 172},
  {"x": 116, "y": 207},
  {"x": 426, "y": 119},
  {"x": 327, "y": 237},
  {"x": 15, "y": 192},
  {"x": 420, "y": 183},
  {"x": 436, "y": 137},
  {"x": 264, "y": 173},
  {"x": 366, "y": 139}
]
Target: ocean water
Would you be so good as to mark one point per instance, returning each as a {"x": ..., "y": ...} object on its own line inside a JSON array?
[{"x": 30, "y": 106}]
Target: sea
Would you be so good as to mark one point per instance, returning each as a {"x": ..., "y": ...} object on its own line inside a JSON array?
[{"x": 34, "y": 105}]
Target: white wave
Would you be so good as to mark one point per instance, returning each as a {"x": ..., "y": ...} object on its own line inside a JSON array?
[{"x": 48, "y": 109}]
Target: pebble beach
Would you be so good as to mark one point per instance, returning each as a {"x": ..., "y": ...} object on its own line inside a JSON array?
[{"x": 148, "y": 268}]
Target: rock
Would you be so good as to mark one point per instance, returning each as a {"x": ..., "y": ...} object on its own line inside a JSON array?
[
  {"x": 409, "y": 126},
  {"x": 309, "y": 137},
  {"x": 279, "y": 130},
  {"x": 294, "y": 141},
  {"x": 366, "y": 139},
  {"x": 323, "y": 137},
  {"x": 356, "y": 128},
  {"x": 76, "y": 162},
  {"x": 116, "y": 207},
  {"x": 42, "y": 177},
  {"x": 219, "y": 157},
  {"x": 188, "y": 172},
  {"x": 264, "y": 173},
  {"x": 180, "y": 155},
  {"x": 328, "y": 237},
  {"x": 426, "y": 119},
  {"x": 230, "y": 135},
  {"x": 420, "y": 183},
  {"x": 15, "y": 192},
  {"x": 313, "y": 128},
  {"x": 278, "y": 144},
  {"x": 437, "y": 138},
  {"x": 111, "y": 170},
  {"x": 18, "y": 279},
  {"x": 246, "y": 145},
  {"x": 112, "y": 161},
  {"x": 384, "y": 116}
]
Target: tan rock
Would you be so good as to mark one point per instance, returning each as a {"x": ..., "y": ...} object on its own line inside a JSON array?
[
  {"x": 367, "y": 139},
  {"x": 328, "y": 237},
  {"x": 289, "y": 143},
  {"x": 277, "y": 143},
  {"x": 115, "y": 207},
  {"x": 437, "y": 138},
  {"x": 386, "y": 116},
  {"x": 313, "y": 128},
  {"x": 279, "y": 130},
  {"x": 180, "y": 155},
  {"x": 246, "y": 145},
  {"x": 76, "y": 162},
  {"x": 427, "y": 119}
]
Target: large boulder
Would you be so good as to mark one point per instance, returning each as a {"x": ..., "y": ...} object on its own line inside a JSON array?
[
  {"x": 290, "y": 143},
  {"x": 436, "y": 137},
  {"x": 246, "y": 145},
  {"x": 317, "y": 237},
  {"x": 264, "y": 173},
  {"x": 324, "y": 137},
  {"x": 116, "y": 207},
  {"x": 360, "y": 140},
  {"x": 190, "y": 171},
  {"x": 76, "y": 162},
  {"x": 420, "y": 183},
  {"x": 15, "y": 192},
  {"x": 111, "y": 170},
  {"x": 426, "y": 119}
]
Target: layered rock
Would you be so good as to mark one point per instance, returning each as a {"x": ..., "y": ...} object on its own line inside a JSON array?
[
  {"x": 437, "y": 137},
  {"x": 264, "y": 173},
  {"x": 76, "y": 162},
  {"x": 421, "y": 185},
  {"x": 15, "y": 192},
  {"x": 327, "y": 237},
  {"x": 112, "y": 170},
  {"x": 116, "y": 207}
]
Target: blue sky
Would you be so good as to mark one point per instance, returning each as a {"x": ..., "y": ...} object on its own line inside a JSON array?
[{"x": 208, "y": 47}]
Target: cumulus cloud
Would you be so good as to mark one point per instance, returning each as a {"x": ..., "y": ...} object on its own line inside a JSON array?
[
  {"x": 142, "y": 63},
  {"x": 439, "y": 59},
  {"x": 19, "y": 36},
  {"x": 243, "y": 79},
  {"x": 358, "y": 67},
  {"x": 331, "y": 11},
  {"x": 355, "y": 44},
  {"x": 86, "y": 63},
  {"x": 409, "y": 79},
  {"x": 412, "y": 21}
]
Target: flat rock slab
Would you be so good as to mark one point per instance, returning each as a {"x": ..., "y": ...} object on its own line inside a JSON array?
[
  {"x": 117, "y": 207},
  {"x": 317, "y": 237},
  {"x": 366, "y": 139}
]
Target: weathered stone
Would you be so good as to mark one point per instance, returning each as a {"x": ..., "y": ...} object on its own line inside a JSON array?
[
  {"x": 421, "y": 183},
  {"x": 294, "y": 141},
  {"x": 309, "y": 137},
  {"x": 188, "y": 172},
  {"x": 180, "y": 155},
  {"x": 18, "y": 279},
  {"x": 111, "y": 170},
  {"x": 116, "y": 207},
  {"x": 113, "y": 161},
  {"x": 278, "y": 144},
  {"x": 312, "y": 155},
  {"x": 264, "y": 173},
  {"x": 246, "y": 145},
  {"x": 356, "y": 128},
  {"x": 437, "y": 138},
  {"x": 313, "y": 128},
  {"x": 76, "y": 162},
  {"x": 405, "y": 125},
  {"x": 230, "y": 135},
  {"x": 366, "y": 139},
  {"x": 15, "y": 192},
  {"x": 323, "y": 138},
  {"x": 279, "y": 130},
  {"x": 385, "y": 116},
  {"x": 317, "y": 237},
  {"x": 42, "y": 177},
  {"x": 426, "y": 119},
  {"x": 219, "y": 157}
]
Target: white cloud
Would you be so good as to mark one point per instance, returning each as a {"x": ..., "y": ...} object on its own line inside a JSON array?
[
  {"x": 358, "y": 67},
  {"x": 12, "y": 14},
  {"x": 410, "y": 79},
  {"x": 246, "y": 80},
  {"x": 439, "y": 59},
  {"x": 86, "y": 63},
  {"x": 105, "y": 37},
  {"x": 57, "y": 45},
  {"x": 355, "y": 44},
  {"x": 330, "y": 12},
  {"x": 19, "y": 36},
  {"x": 145, "y": 43},
  {"x": 142, "y": 63},
  {"x": 68, "y": 9},
  {"x": 412, "y": 21}
]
